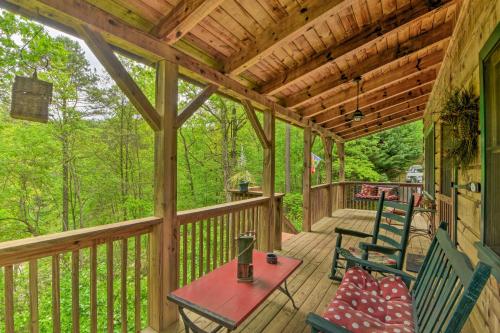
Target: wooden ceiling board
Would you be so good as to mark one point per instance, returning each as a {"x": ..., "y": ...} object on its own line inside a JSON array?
[
  {"x": 389, "y": 7},
  {"x": 123, "y": 13},
  {"x": 385, "y": 126},
  {"x": 361, "y": 13},
  {"x": 375, "y": 9},
  {"x": 143, "y": 9},
  {"x": 274, "y": 8}
]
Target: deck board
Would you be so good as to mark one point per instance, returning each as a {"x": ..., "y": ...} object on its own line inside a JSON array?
[{"x": 309, "y": 285}]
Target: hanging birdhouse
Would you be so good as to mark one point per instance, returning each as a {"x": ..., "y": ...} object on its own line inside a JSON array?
[{"x": 30, "y": 99}]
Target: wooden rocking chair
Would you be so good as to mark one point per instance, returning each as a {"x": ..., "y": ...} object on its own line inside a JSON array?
[
  {"x": 394, "y": 236},
  {"x": 440, "y": 299}
]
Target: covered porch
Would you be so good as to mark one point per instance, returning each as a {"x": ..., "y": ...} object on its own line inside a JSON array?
[{"x": 341, "y": 70}]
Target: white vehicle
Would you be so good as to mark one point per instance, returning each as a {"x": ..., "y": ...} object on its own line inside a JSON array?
[{"x": 415, "y": 174}]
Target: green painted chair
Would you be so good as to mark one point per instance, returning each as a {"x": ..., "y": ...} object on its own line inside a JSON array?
[
  {"x": 443, "y": 294},
  {"x": 395, "y": 232}
]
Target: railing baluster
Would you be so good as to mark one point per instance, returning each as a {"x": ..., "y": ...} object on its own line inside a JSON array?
[
  {"x": 209, "y": 235},
  {"x": 137, "y": 277},
  {"x": 109, "y": 287},
  {"x": 123, "y": 281},
  {"x": 184, "y": 253},
  {"x": 226, "y": 225},
  {"x": 200, "y": 254},
  {"x": 33, "y": 290},
  {"x": 221, "y": 240},
  {"x": 93, "y": 288},
  {"x": 75, "y": 290},
  {"x": 215, "y": 233},
  {"x": 56, "y": 294},
  {"x": 193, "y": 252},
  {"x": 232, "y": 225},
  {"x": 9, "y": 298}
]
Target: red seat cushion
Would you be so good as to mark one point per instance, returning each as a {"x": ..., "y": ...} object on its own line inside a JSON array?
[
  {"x": 366, "y": 305},
  {"x": 367, "y": 191},
  {"x": 390, "y": 193}
]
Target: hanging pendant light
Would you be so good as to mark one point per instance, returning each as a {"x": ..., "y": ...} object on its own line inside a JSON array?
[{"x": 358, "y": 115}]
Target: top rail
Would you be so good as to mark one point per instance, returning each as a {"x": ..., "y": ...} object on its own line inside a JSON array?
[
  {"x": 22, "y": 250},
  {"x": 212, "y": 211}
]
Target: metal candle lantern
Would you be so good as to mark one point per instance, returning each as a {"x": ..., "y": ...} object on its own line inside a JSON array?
[{"x": 245, "y": 257}]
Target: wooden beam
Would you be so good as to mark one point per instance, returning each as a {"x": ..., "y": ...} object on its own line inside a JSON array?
[
  {"x": 268, "y": 221},
  {"x": 404, "y": 78},
  {"x": 388, "y": 125},
  {"x": 402, "y": 112},
  {"x": 391, "y": 112},
  {"x": 339, "y": 116},
  {"x": 103, "y": 52},
  {"x": 394, "y": 53},
  {"x": 144, "y": 45},
  {"x": 182, "y": 18},
  {"x": 254, "y": 121},
  {"x": 392, "y": 24},
  {"x": 341, "y": 156},
  {"x": 195, "y": 104},
  {"x": 297, "y": 22},
  {"x": 306, "y": 182},
  {"x": 327, "y": 148},
  {"x": 164, "y": 238}
]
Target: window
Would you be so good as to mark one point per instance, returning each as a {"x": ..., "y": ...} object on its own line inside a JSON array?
[
  {"x": 429, "y": 161},
  {"x": 446, "y": 170},
  {"x": 490, "y": 144}
]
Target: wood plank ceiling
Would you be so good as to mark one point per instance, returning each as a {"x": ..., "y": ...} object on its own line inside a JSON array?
[{"x": 301, "y": 54}]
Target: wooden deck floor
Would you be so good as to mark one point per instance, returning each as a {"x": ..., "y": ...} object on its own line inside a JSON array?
[{"x": 310, "y": 286}]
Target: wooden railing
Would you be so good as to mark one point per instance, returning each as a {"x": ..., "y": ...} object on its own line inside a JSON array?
[
  {"x": 283, "y": 224},
  {"x": 344, "y": 194},
  {"x": 207, "y": 235},
  {"x": 319, "y": 202},
  {"x": 52, "y": 260}
]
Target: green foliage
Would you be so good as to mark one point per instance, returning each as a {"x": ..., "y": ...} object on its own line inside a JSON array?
[{"x": 293, "y": 207}]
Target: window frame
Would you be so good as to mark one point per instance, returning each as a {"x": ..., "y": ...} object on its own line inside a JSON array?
[{"x": 484, "y": 251}]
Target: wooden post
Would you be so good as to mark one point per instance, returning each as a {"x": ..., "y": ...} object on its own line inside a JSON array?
[
  {"x": 306, "y": 181},
  {"x": 267, "y": 227},
  {"x": 165, "y": 237},
  {"x": 327, "y": 146},
  {"x": 341, "y": 155}
]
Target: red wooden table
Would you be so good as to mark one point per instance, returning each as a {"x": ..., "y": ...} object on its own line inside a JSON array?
[{"x": 219, "y": 297}]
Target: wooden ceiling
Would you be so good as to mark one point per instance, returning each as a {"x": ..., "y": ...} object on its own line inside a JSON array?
[{"x": 297, "y": 56}]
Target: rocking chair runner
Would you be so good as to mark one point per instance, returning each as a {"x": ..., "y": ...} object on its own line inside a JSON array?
[
  {"x": 395, "y": 236},
  {"x": 441, "y": 298}
]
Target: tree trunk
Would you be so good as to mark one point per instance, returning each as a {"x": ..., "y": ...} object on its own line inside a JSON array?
[
  {"x": 65, "y": 171},
  {"x": 188, "y": 164},
  {"x": 288, "y": 185}
]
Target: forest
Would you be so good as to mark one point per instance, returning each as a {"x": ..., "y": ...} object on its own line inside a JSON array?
[{"x": 92, "y": 163}]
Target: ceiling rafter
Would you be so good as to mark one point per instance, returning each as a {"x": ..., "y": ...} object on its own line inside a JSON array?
[
  {"x": 283, "y": 31},
  {"x": 424, "y": 40},
  {"x": 182, "y": 18},
  {"x": 396, "y": 79},
  {"x": 385, "y": 126},
  {"x": 392, "y": 24},
  {"x": 418, "y": 103},
  {"x": 340, "y": 116}
]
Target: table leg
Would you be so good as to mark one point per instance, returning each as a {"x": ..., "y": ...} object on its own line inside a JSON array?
[
  {"x": 189, "y": 325},
  {"x": 287, "y": 293}
]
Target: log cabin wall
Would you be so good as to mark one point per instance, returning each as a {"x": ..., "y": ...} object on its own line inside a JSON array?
[{"x": 460, "y": 68}]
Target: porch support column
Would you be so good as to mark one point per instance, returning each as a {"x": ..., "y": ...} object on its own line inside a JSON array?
[
  {"x": 341, "y": 155},
  {"x": 327, "y": 147},
  {"x": 267, "y": 225},
  {"x": 164, "y": 238},
  {"x": 306, "y": 181}
]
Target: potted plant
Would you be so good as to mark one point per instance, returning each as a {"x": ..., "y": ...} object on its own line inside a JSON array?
[{"x": 242, "y": 179}]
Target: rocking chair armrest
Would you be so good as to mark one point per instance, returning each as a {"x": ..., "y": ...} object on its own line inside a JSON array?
[
  {"x": 320, "y": 324},
  {"x": 377, "y": 248},
  {"x": 354, "y": 233},
  {"x": 353, "y": 260}
]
